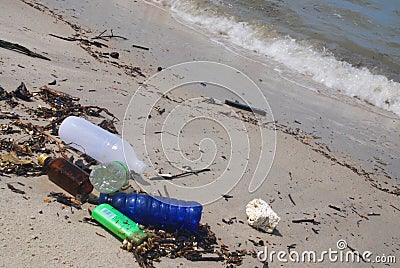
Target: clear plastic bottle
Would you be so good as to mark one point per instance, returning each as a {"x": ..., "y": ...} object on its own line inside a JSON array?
[
  {"x": 98, "y": 143},
  {"x": 66, "y": 175},
  {"x": 109, "y": 177},
  {"x": 161, "y": 212}
]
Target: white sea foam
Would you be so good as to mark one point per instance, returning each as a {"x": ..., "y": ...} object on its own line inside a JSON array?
[{"x": 322, "y": 67}]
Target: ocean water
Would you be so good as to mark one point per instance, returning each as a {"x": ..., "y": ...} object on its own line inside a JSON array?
[{"x": 351, "y": 47}]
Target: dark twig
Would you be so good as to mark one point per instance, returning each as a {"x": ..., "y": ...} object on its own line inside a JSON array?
[
  {"x": 102, "y": 36},
  {"x": 395, "y": 207},
  {"x": 356, "y": 252},
  {"x": 291, "y": 199},
  {"x": 15, "y": 190},
  {"x": 184, "y": 174},
  {"x": 136, "y": 46},
  {"x": 313, "y": 221},
  {"x": 335, "y": 208},
  {"x": 362, "y": 216},
  {"x": 245, "y": 107}
]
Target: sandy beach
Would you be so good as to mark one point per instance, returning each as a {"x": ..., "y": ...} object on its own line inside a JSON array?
[{"x": 324, "y": 160}]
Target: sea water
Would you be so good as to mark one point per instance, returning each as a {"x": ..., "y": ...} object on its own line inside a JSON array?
[{"x": 351, "y": 47}]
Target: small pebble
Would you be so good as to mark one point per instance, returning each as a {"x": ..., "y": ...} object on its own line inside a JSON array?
[{"x": 114, "y": 55}]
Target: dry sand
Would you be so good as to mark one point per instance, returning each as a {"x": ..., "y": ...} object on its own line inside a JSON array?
[{"x": 39, "y": 234}]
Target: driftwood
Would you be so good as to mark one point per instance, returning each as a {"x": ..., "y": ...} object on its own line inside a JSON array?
[
  {"x": 21, "y": 49},
  {"x": 245, "y": 107}
]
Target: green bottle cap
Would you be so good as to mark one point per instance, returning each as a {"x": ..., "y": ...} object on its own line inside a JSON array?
[{"x": 119, "y": 224}]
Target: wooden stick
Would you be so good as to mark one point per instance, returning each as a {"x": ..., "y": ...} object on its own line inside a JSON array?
[
  {"x": 291, "y": 199},
  {"x": 21, "y": 49},
  {"x": 137, "y": 46},
  {"x": 245, "y": 107},
  {"x": 58, "y": 93}
]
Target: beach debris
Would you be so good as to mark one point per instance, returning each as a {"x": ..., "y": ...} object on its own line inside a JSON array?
[
  {"x": 52, "y": 83},
  {"x": 395, "y": 207},
  {"x": 49, "y": 94},
  {"x": 166, "y": 191},
  {"x": 229, "y": 221},
  {"x": 108, "y": 125},
  {"x": 335, "y": 208},
  {"x": 159, "y": 68},
  {"x": 356, "y": 252},
  {"x": 360, "y": 215},
  {"x": 12, "y": 158},
  {"x": 114, "y": 55},
  {"x": 199, "y": 245},
  {"x": 141, "y": 47},
  {"x": 89, "y": 220},
  {"x": 4, "y": 95},
  {"x": 261, "y": 216},
  {"x": 313, "y": 221},
  {"x": 159, "y": 110},
  {"x": 291, "y": 199},
  {"x": 66, "y": 200},
  {"x": 134, "y": 70},
  {"x": 100, "y": 234},
  {"x": 82, "y": 40},
  {"x": 227, "y": 196},
  {"x": 373, "y": 214},
  {"x": 15, "y": 190},
  {"x": 245, "y": 107},
  {"x": 315, "y": 231},
  {"x": 183, "y": 174},
  {"x": 22, "y": 92},
  {"x": 105, "y": 37},
  {"x": 21, "y": 49}
]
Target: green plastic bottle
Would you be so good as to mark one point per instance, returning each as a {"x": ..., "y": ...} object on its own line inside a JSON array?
[{"x": 119, "y": 224}]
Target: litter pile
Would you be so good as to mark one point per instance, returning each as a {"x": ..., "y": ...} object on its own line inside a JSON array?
[
  {"x": 199, "y": 245},
  {"x": 24, "y": 140},
  {"x": 31, "y": 122}
]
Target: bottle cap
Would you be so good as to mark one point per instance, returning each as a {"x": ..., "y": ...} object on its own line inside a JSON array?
[
  {"x": 126, "y": 169},
  {"x": 42, "y": 159}
]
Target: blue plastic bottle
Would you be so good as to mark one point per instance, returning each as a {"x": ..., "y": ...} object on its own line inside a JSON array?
[{"x": 161, "y": 212}]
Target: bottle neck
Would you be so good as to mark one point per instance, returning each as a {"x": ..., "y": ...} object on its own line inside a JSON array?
[{"x": 47, "y": 162}]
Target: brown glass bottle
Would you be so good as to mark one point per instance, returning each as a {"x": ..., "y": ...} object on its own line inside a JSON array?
[{"x": 66, "y": 175}]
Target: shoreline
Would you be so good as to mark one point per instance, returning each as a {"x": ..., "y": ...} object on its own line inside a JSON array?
[
  {"x": 299, "y": 57},
  {"x": 300, "y": 170}
]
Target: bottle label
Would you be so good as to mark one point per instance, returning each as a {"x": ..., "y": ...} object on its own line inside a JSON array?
[{"x": 108, "y": 213}]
